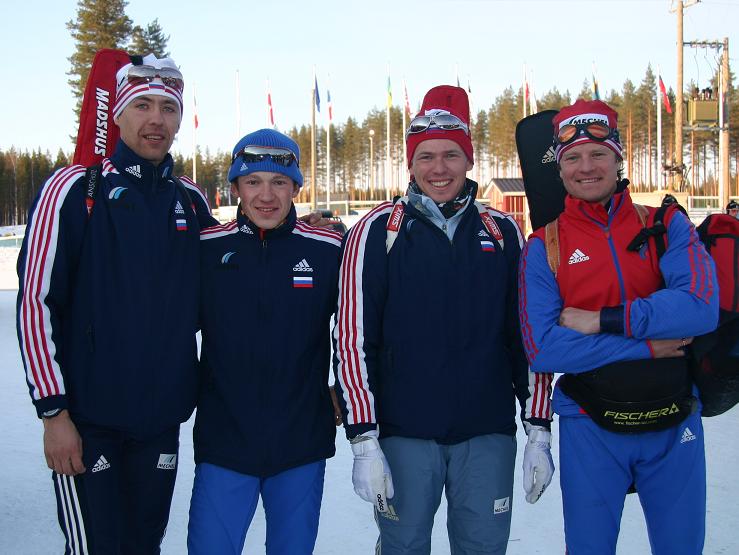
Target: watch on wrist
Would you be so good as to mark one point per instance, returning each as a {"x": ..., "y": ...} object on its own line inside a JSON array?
[{"x": 51, "y": 413}]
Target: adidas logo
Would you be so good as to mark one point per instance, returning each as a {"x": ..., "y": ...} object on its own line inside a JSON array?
[
  {"x": 548, "y": 157},
  {"x": 246, "y": 229},
  {"x": 687, "y": 436},
  {"x": 167, "y": 462},
  {"x": 482, "y": 233},
  {"x": 102, "y": 464},
  {"x": 134, "y": 170},
  {"x": 302, "y": 266},
  {"x": 243, "y": 167},
  {"x": 178, "y": 208},
  {"x": 577, "y": 257},
  {"x": 501, "y": 505}
]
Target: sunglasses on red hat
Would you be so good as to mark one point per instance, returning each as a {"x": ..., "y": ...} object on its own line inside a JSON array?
[
  {"x": 171, "y": 77},
  {"x": 598, "y": 131},
  {"x": 252, "y": 154},
  {"x": 447, "y": 122}
]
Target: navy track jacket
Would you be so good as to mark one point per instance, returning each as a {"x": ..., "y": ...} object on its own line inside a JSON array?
[
  {"x": 267, "y": 297},
  {"x": 107, "y": 304},
  {"x": 427, "y": 342}
]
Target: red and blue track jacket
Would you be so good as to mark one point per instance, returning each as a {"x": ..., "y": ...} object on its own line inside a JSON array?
[
  {"x": 267, "y": 297},
  {"x": 597, "y": 272},
  {"x": 426, "y": 342},
  {"x": 107, "y": 303}
]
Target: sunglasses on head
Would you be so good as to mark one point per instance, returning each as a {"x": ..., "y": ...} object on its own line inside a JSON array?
[
  {"x": 171, "y": 77},
  {"x": 252, "y": 154},
  {"x": 596, "y": 130},
  {"x": 447, "y": 122}
]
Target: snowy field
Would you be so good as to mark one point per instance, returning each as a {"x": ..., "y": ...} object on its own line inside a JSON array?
[{"x": 28, "y": 516}]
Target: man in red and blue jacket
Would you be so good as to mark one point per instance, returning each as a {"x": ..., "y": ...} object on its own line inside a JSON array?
[
  {"x": 107, "y": 315},
  {"x": 614, "y": 319}
]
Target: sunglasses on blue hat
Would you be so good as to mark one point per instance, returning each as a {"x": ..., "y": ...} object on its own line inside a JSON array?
[
  {"x": 171, "y": 77},
  {"x": 596, "y": 130},
  {"x": 448, "y": 122},
  {"x": 252, "y": 154}
]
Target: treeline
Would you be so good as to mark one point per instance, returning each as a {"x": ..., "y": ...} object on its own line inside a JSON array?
[{"x": 493, "y": 133}]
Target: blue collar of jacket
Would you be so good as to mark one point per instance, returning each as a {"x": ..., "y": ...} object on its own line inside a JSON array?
[
  {"x": 140, "y": 172},
  {"x": 285, "y": 228}
]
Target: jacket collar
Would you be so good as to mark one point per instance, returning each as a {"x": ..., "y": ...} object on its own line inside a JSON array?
[
  {"x": 285, "y": 228},
  {"x": 597, "y": 212},
  {"x": 140, "y": 172}
]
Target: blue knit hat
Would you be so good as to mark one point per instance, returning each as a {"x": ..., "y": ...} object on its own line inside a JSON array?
[{"x": 266, "y": 138}]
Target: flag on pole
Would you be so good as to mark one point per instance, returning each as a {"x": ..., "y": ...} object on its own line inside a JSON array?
[
  {"x": 596, "y": 90},
  {"x": 194, "y": 109},
  {"x": 389, "y": 92},
  {"x": 533, "y": 106},
  {"x": 665, "y": 98},
  {"x": 330, "y": 106},
  {"x": 315, "y": 93},
  {"x": 270, "y": 109},
  {"x": 407, "y": 102}
]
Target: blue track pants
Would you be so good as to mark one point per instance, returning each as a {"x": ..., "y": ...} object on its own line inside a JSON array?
[
  {"x": 667, "y": 467},
  {"x": 224, "y": 501}
]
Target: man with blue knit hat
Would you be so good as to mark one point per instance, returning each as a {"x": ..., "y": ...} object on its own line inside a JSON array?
[
  {"x": 428, "y": 354},
  {"x": 106, "y": 321},
  {"x": 265, "y": 419}
]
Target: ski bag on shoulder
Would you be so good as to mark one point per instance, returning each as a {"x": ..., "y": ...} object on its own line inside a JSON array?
[{"x": 97, "y": 134}]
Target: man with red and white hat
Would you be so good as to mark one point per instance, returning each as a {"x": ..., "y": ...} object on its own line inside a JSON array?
[
  {"x": 601, "y": 306},
  {"x": 428, "y": 355},
  {"x": 107, "y": 315}
]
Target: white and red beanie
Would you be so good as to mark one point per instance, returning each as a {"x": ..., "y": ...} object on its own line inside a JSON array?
[
  {"x": 126, "y": 92},
  {"x": 586, "y": 111},
  {"x": 444, "y": 99}
]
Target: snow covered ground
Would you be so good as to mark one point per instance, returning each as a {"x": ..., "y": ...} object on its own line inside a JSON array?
[{"x": 28, "y": 516}]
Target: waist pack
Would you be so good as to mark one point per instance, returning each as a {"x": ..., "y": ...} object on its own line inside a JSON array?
[{"x": 634, "y": 396}]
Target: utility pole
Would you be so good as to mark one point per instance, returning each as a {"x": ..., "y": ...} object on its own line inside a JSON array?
[
  {"x": 725, "y": 181},
  {"x": 678, "y": 164}
]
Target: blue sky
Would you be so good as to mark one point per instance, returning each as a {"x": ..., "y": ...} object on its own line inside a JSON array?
[{"x": 351, "y": 43}]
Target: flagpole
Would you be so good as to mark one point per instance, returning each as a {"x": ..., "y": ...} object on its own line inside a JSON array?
[
  {"x": 194, "y": 137},
  {"x": 406, "y": 108},
  {"x": 328, "y": 151},
  {"x": 660, "y": 184},
  {"x": 313, "y": 144},
  {"x": 387, "y": 136},
  {"x": 524, "y": 91},
  {"x": 238, "y": 106}
]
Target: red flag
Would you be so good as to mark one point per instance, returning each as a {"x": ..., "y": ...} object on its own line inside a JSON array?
[
  {"x": 665, "y": 98},
  {"x": 407, "y": 103},
  {"x": 270, "y": 112}
]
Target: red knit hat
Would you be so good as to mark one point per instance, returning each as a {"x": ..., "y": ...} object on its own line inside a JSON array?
[
  {"x": 447, "y": 100},
  {"x": 586, "y": 111}
]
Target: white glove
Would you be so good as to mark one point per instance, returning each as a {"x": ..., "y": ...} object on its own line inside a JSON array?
[
  {"x": 371, "y": 473},
  {"x": 538, "y": 466}
]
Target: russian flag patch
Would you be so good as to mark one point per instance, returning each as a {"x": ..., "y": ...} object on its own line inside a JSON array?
[
  {"x": 487, "y": 246},
  {"x": 181, "y": 224},
  {"x": 302, "y": 282}
]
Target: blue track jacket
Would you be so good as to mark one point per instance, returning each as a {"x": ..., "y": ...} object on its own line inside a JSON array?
[
  {"x": 107, "y": 304},
  {"x": 427, "y": 342},
  {"x": 267, "y": 297}
]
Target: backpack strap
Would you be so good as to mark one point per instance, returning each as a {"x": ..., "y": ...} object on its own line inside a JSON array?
[
  {"x": 394, "y": 221},
  {"x": 92, "y": 179},
  {"x": 489, "y": 222},
  {"x": 657, "y": 230},
  {"x": 551, "y": 244}
]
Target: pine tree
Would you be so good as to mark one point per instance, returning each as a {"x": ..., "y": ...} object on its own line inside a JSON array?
[
  {"x": 99, "y": 24},
  {"x": 149, "y": 40}
]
